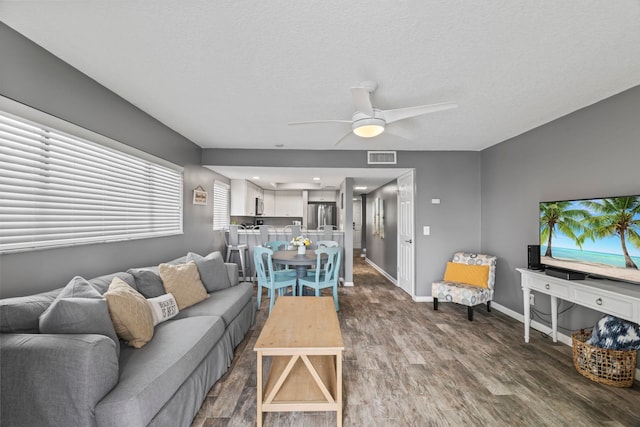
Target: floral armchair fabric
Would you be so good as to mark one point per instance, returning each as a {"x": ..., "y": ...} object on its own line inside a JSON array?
[{"x": 466, "y": 294}]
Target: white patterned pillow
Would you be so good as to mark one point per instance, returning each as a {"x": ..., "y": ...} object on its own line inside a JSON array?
[{"x": 163, "y": 308}]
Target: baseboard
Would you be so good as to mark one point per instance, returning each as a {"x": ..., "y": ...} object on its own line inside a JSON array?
[
  {"x": 564, "y": 339},
  {"x": 381, "y": 271},
  {"x": 541, "y": 327}
]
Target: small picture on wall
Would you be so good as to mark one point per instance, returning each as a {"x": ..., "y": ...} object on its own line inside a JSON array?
[
  {"x": 378, "y": 218},
  {"x": 199, "y": 196}
]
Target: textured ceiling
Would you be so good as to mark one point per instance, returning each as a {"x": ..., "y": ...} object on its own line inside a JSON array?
[{"x": 232, "y": 74}]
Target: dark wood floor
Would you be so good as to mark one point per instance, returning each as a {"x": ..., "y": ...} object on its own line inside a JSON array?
[{"x": 407, "y": 365}]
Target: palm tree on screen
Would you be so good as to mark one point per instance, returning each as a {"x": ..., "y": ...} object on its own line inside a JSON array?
[
  {"x": 618, "y": 216},
  {"x": 563, "y": 217}
]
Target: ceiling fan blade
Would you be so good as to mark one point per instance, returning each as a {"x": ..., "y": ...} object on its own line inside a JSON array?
[
  {"x": 343, "y": 138},
  {"x": 391, "y": 116},
  {"x": 362, "y": 100},
  {"x": 400, "y": 132},
  {"x": 319, "y": 121}
]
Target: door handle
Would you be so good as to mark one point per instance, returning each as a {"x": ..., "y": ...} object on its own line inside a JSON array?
[{"x": 409, "y": 241}]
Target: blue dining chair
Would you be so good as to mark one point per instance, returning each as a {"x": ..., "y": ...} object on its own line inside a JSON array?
[
  {"x": 326, "y": 274},
  {"x": 277, "y": 245},
  {"x": 280, "y": 245},
  {"x": 267, "y": 279},
  {"x": 326, "y": 244},
  {"x": 322, "y": 244}
]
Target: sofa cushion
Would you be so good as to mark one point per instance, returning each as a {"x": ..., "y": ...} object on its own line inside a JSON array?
[
  {"x": 226, "y": 303},
  {"x": 131, "y": 316},
  {"x": 78, "y": 309},
  {"x": 177, "y": 261},
  {"x": 21, "y": 315},
  {"x": 183, "y": 281},
  {"x": 213, "y": 272},
  {"x": 151, "y": 375},
  {"x": 148, "y": 281},
  {"x": 101, "y": 283}
]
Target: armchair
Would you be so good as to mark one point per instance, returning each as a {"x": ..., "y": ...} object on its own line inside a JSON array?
[{"x": 468, "y": 280}]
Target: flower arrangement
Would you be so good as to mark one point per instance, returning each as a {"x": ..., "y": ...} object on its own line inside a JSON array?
[{"x": 300, "y": 241}]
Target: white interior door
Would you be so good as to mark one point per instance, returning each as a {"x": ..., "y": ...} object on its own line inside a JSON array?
[
  {"x": 357, "y": 224},
  {"x": 406, "y": 252}
]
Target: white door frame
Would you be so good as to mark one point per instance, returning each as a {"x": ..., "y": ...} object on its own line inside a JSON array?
[{"x": 406, "y": 234}]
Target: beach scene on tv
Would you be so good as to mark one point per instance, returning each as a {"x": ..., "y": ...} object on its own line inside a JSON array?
[{"x": 600, "y": 237}]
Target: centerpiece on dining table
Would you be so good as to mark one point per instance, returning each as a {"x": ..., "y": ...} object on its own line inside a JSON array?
[{"x": 301, "y": 244}]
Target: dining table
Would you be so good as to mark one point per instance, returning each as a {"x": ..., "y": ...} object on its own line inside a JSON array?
[{"x": 301, "y": 262}]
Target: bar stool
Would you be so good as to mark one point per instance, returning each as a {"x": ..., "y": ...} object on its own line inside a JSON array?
[
  {"x": 233, "y": 245},
  {"x": 265, "y": 231},
  {"x": 327, "y": 231}
]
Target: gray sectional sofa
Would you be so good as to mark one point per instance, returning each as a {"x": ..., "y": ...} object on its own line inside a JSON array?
[{"x": 88, "y": 380}]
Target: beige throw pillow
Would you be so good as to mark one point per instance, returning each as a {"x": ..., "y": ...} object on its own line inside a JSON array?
[
  {"x": 183, "y": 281},
  {"x": 130, "y": 314}
]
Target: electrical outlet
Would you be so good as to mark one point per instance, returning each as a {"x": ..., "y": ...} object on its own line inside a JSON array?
[{"x": 532, "y": 299}]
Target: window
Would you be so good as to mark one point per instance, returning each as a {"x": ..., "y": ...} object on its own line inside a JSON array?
[
  {"x": 59, "y": 189},
  {"x": 220, "y": 205}
]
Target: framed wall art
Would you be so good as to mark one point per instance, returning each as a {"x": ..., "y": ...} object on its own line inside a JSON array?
[{"x": 199, "y": 196}]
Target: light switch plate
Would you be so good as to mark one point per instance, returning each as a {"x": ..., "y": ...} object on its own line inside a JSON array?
[
  {"x": 435, "y": 201},
  {"x": 426, "y": 230}
]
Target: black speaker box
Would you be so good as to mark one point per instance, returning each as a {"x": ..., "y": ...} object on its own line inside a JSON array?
[
  {"x": 565, "y": 274},
  {"x": 533, "y": 257}
]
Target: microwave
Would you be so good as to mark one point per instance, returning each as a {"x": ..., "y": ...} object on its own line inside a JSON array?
[{"x": 259, "y": 206}]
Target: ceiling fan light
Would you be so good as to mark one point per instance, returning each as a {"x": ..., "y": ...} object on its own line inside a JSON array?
[
  {"x": 368, "y": 127},
  {"x": 368, "y": 131}
]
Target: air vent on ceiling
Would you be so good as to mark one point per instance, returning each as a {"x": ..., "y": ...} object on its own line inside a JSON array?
[{"x": 381, "y": 157}]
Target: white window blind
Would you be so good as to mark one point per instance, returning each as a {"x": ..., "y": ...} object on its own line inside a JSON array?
[
  {"x": 220, "y": 205},
  {"x": 57, "y": 189}
]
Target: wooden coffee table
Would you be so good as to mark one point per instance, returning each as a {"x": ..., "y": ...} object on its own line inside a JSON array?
[{"x": 302, "y": 337}]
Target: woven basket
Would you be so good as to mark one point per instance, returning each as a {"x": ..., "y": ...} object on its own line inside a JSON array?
[{"x": 611, "y": 367}]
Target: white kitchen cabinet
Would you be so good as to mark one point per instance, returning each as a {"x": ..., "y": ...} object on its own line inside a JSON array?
[
  {"x": 322, "y": 196},
  {"x": 243, "y": 197},
  {"x": 289, "y": 203},
  {"x": 269, "y": 202}
]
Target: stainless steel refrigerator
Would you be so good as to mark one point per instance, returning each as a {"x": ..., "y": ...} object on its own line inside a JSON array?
[{"x": 319, "y": 214}]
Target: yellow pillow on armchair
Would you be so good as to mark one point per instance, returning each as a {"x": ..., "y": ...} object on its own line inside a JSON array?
[{"x": 475, "y": 275}]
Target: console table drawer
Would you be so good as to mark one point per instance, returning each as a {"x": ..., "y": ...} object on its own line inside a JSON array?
[
  {"x": 550, "y": 288},
  {"x": 612, "y": 305}
]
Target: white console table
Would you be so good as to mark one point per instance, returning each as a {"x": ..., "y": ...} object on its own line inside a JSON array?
[{"x": 616, "y": 298}]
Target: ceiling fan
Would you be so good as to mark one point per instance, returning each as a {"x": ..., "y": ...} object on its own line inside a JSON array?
[{"x": 368, "y": 122}]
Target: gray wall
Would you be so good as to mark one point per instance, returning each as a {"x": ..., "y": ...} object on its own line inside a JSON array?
[
  {"x": 452, "y": 176},
  {"x": 383, "y": 252},
  {"x": 594, "y": 152},
  {"x": 32, "y": 76}
]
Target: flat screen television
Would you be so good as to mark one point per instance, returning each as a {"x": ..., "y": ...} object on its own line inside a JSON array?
[{"x": 598, "y": 237}]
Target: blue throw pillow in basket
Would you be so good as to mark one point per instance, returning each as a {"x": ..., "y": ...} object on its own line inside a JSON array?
[{"x": 615, "y": 334}]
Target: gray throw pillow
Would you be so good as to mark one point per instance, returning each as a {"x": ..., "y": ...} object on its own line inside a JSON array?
[
  {"x": 79, "y": 309},
  {"x": 101, "y": 283},
  {"x": 148, "y": 281},
  {"x": 178, "y": 261},
  {"x": 20, "y": 315},
  {"x": 213, "y": 272}
]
